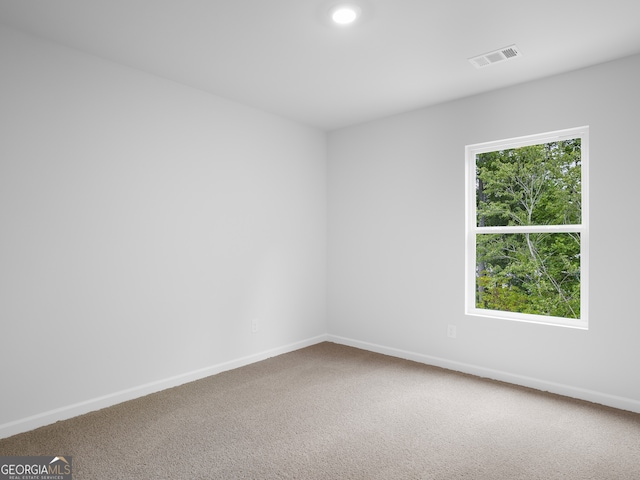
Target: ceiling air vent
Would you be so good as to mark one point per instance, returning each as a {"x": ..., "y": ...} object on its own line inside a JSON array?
[{"x": 486, "y": 59}]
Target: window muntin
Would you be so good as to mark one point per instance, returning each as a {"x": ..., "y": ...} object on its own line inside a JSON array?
[{"x": 527, "y": 236}]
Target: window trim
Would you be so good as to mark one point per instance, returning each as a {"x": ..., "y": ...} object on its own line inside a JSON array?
[{"x": 471, "y": 228}]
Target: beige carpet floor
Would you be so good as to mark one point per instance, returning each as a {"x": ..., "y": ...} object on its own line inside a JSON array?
[{"x": 335, "y": 412}]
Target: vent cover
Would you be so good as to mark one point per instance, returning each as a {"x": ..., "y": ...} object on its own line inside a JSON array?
[{"x": 486, "y": 59}]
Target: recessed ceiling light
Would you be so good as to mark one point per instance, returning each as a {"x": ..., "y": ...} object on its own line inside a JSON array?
[{"x": 345, "y": 14}]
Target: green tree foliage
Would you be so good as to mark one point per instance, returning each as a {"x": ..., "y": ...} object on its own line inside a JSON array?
[{"x": 537, "y": 273}]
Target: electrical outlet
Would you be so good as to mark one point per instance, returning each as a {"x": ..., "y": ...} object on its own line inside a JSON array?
[
  {"x": 254, "y": 325},
  {"x": 452, "y": 331}
]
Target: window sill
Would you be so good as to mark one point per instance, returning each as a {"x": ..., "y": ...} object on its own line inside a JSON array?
[{"x": 580, "y": 324}]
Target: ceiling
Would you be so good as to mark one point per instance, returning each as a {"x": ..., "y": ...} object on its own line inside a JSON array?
[{"x": 284, "y": 56}]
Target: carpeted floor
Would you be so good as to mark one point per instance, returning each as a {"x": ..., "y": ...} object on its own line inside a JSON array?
[{"x": 335, "y": 412}]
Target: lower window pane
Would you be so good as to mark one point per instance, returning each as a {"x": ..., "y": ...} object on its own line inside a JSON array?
[{"x": 536, "y": 273}]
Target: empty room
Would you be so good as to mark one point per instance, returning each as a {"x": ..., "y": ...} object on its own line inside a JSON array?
[{"x": 313, "y": 239}]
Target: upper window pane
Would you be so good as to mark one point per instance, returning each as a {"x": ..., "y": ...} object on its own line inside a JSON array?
[{"x": 530, "y": 185}]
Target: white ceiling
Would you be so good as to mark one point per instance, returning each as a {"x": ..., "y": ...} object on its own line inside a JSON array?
[{"x": 283, "y": 56}]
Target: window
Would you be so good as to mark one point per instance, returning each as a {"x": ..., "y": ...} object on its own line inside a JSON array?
[{"x": 527, "y": 228}]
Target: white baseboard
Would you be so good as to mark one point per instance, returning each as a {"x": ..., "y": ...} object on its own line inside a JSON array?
[
  {"x": 614, "y": 401},
  {"x": 64, "y": 413}
]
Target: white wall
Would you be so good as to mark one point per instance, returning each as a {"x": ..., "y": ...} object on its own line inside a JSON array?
[
  {"x": 396, "y": 236},
  {"x": 144, "y": 224}
]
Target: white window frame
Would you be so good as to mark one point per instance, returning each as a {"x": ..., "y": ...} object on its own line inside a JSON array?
[{"x": 472, "y": 229}]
